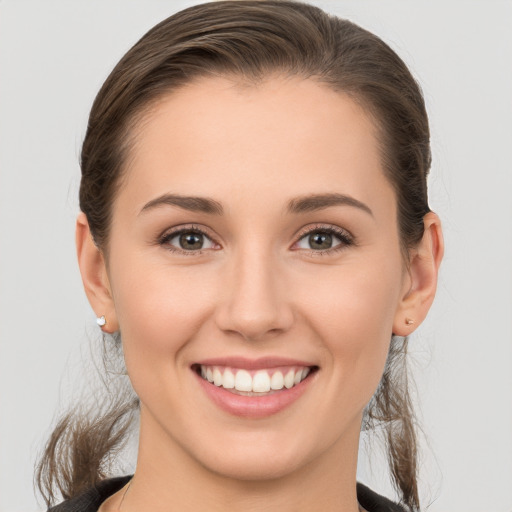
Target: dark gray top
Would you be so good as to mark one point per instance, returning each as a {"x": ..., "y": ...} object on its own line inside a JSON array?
[{"x": 91, "y": 500}]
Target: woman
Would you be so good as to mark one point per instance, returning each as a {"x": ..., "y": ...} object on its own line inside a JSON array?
[{"x": 255, "y": 232}]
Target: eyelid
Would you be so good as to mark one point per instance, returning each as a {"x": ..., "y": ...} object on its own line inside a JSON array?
[
  {"x": 346, "y": 238},
  {"x": 171, "y": 233}
]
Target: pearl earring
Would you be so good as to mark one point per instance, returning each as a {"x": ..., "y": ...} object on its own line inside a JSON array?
[
  {"x": 408, "y": 321},
  {"x": 101, "y": 321}
]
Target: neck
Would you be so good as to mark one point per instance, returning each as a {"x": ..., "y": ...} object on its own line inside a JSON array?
[{"x": 170, "y": 479}]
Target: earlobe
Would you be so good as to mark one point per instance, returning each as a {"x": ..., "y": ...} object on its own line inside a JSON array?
[
  {"x": 420, "y": 288},
  {"x": 94, "y": 276}
]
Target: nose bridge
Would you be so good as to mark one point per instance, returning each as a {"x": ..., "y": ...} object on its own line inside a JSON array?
[{"x": 254, "y": 300}]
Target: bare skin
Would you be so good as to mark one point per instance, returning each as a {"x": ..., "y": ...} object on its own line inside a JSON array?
[{"x": 325, "y": 285}]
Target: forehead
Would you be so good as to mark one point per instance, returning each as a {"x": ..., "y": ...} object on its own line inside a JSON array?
[{"x": 284, "y": 136}]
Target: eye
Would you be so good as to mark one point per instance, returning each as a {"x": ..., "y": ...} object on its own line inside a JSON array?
[
  {"x": 325, "y": 239},
  {"x": 187, "y": 240}
]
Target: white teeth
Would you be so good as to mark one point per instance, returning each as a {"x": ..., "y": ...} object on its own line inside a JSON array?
[
  {"x": 277, "y": 381},
  {"x": 229, "y": 380},
  {"x": 289, "y": 379},
  {"x": 243, "y": 381},
  {"x": 260, "y": 382},
  {"x": 217, "y": 377}
]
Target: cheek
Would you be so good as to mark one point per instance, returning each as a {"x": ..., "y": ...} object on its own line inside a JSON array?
[
  {"x": 160, "y": 309},
  {"x": 357, "y": 299},
  {"x": 352, "y": 312}
]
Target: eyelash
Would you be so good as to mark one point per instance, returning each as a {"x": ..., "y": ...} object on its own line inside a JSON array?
[
  {"x": 344, "y": 236},
  {"x": 167, "y": 237}
]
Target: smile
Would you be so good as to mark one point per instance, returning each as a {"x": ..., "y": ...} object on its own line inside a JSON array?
[
  {"x": 254, "y": 389},
  {"x": 254, "y": 382}
]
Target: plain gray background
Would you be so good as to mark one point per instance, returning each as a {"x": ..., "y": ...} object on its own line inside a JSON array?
[{"x": 54, "y": 56}]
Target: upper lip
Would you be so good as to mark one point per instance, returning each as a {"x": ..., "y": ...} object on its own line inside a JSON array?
[{"x": 253, "y": 364}]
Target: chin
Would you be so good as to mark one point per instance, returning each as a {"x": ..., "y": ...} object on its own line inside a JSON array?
[
  {"x": 249, "y": 468},
  {"x": 259, "y": 455}
]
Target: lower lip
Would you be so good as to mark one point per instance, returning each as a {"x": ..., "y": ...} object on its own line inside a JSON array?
[{"x": 254, "y": 406}]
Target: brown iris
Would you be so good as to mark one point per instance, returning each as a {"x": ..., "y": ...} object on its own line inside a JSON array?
[
  {"x": 191, "y": 241},
  {"x": 320, "y": 240}
]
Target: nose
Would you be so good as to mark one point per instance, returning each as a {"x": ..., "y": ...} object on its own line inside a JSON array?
[{"x": 254, "y": 303}]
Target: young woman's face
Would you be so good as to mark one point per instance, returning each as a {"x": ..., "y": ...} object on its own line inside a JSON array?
[{"x": 254, "y": 242}]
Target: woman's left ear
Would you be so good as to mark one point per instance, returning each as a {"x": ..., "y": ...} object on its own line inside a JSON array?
[{"x": 421, "y": 283}]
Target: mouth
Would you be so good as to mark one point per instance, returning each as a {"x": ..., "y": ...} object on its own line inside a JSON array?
[{"x": 257, "y": 382}]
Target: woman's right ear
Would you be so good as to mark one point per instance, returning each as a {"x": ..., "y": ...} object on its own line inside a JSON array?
[{"x": 94, "y": 275}]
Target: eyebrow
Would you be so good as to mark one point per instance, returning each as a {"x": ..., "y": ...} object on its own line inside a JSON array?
[
  {"x": 191, "y": 203},
  {"x": 317, "y": 202},
  {"x": 297, "y": 205}
]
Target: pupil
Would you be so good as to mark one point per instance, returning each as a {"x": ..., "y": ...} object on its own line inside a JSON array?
[
  {"x": 191, "y": 241},
  {"x": 320, "y": 241}
]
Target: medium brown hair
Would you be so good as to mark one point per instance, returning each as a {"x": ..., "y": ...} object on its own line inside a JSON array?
[{"x": 250, "y": 40}]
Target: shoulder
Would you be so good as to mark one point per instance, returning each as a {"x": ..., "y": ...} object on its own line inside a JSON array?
[
  {"x": 373, "y": 502},
  {"x": 90, "y": 500}
]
